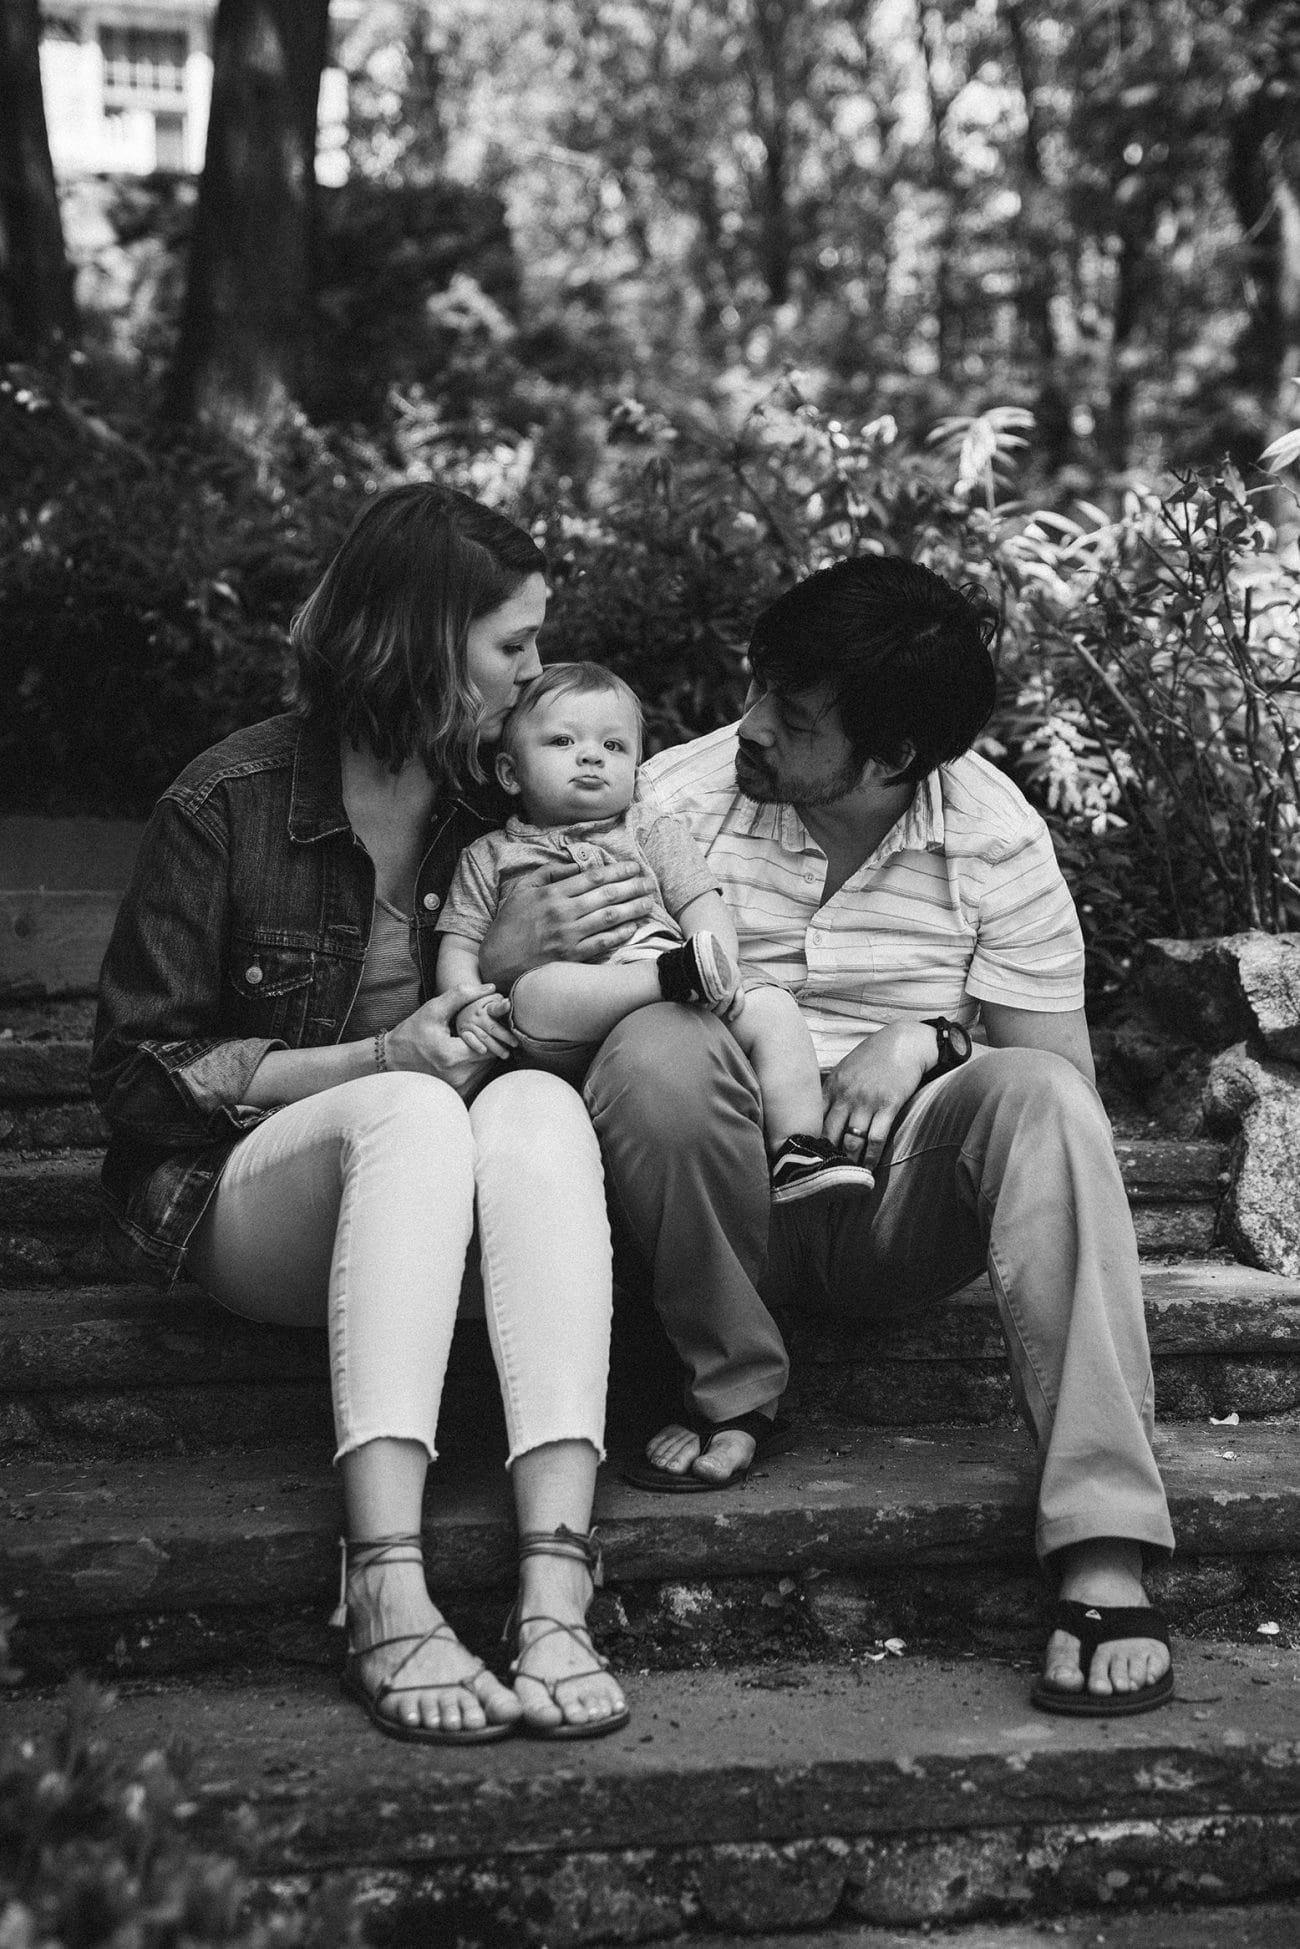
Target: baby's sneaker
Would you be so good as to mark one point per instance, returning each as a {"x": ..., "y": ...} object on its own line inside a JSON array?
[
  {"x": 804, "y": 1167},
  {"x": 700, "y": 970}
]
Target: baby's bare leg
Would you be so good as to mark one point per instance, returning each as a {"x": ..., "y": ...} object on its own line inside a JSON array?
[
  {"x": 570, "y": 1001},
  {"x": 771, "y": 1032}
]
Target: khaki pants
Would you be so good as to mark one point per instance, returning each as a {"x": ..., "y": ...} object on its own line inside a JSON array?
[{"x": 1006, "y": 1164}]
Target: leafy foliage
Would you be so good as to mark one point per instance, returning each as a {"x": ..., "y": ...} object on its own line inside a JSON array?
[
  {"x": 1148, "y": 676},
  {"x": 96, "y": 1849}
]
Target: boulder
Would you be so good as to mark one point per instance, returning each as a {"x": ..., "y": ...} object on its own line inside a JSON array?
[
  {"x": 1220, "y": 991},
  {"x": 1261, "y": 1100}
]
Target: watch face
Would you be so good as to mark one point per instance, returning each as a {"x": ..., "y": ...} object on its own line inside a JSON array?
[{"x": 959, "y": 1041}]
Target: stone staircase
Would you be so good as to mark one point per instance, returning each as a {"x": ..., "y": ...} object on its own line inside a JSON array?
[{"x": 831, "y": 1740}]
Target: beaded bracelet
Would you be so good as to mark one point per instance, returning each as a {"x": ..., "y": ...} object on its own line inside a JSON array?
[{"x": 381, "y": 1050}]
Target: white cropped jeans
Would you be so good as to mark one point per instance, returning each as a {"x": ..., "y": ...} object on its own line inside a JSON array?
[{"x": 354, "y": 1209}]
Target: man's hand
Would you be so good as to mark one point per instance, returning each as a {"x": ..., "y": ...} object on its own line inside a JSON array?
[
  {"x": 427, "y": 1042},
  {"x": 864, "y": 1093},
  {"x": 565, "y": 913}
]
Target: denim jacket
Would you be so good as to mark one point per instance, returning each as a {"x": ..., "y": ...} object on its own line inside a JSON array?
[{"x": 244, "y": 929}]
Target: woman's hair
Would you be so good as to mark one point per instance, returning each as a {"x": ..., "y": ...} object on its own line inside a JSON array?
[
  {"x": 566, "y": 680},
  {"x": 906, "y": 656},
  {"x": 380, "y": 641}
]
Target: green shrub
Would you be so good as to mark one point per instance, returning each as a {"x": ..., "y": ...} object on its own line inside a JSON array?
[
  {"x": 97, "y": 1849},
  {"x": 1148, "y": 672}
]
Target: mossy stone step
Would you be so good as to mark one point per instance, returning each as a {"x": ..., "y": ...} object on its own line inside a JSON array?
[
  {"x": 120, "y": 1370},
  {"x": 917, "y": 1792},
  {"x": 191, "y": 1533},
  {"x": 50, "y": 1211}
]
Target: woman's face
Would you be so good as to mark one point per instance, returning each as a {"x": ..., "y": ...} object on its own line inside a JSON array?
[{"x": 501, "y": 652}]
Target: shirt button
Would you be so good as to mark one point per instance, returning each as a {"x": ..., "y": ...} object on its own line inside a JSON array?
[
  {"x": 431, "y": 903},
  {"x": 584, "y": 855},
  {"x": 252, "y": 976},
  {"x": 815, "y": 938}
]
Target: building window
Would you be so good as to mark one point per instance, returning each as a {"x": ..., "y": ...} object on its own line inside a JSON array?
[{"x": 143, "y": 62}]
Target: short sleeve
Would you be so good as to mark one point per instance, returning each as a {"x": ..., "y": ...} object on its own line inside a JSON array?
[
  {"x": 471, "y": 903},
  {"x": 675, "y": 860},
  {"x": 1029, "y": 945}
]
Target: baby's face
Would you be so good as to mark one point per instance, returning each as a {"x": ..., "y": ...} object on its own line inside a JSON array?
[{"x": 572, "y": 758}]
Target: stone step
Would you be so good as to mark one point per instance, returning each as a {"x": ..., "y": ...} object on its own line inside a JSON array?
[
  {"x": 162, "y": 1534},
  {"x": 50, "y": 1209},
  {"x": 117, "y": 1370},
  {"x": 915, "y": 1793}
]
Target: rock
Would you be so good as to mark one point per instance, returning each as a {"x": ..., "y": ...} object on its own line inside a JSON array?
[
  {"x": 1261, "y": 1099},
  {"x": 1268, "y": 968},
  {"x": 1220, "y": 991},
  {"x": 1194, "y": 989}
]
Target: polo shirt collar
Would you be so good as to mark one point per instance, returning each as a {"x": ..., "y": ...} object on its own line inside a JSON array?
[{"x": 919, "y": 830}]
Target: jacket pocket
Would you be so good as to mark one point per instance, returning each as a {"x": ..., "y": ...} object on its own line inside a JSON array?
[{"x": 269, "y": 989}]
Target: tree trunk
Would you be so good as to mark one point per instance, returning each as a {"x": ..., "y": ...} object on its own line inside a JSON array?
[
  {"x": 1264, "y": 182},
  {"x": 1041, "y": 223},
  {"x": 249, "y": 271},
  {"x": 38, "y": 317}
]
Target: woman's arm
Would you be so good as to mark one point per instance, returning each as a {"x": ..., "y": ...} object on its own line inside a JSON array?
[
  {"x": 159, "y": 1069},
  {"x": 565, "y": 913},
  {"x": 426, "y": 1041}
]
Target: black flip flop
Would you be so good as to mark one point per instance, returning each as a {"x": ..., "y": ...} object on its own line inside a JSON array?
[
  {"x": 1098, "y": 1624},
  {"x": 770, "y": 1437}
]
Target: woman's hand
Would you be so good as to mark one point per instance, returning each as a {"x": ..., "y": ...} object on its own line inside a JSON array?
[
  {"x": 864, "y": 1093},
  {"x": 480, "y": 1024},
  {"x": 565, "y": 913},
  {"x": 427, "y": 1041}
]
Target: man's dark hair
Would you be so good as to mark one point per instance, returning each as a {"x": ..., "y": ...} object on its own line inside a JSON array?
[{"x": 907, "y": 658}]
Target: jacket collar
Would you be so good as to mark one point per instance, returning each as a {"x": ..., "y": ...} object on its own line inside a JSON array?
[{"x": 316, "y": 803}]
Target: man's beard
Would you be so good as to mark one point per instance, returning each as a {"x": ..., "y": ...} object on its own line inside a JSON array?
[{"x": 763, "y": 787}]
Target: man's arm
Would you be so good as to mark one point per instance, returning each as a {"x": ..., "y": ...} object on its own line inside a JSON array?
[{"x": 1032, "y": 1028}]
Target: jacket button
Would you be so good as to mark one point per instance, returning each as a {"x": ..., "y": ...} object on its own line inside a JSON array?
[
  {"x": 252, "y": 976},
  {"x": 431, "y": 903}
]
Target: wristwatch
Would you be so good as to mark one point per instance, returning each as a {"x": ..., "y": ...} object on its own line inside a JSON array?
[{"x": 954, "y": 1045}]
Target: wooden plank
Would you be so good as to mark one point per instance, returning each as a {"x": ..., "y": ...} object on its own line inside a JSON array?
[{"x": 52, "y": 944}]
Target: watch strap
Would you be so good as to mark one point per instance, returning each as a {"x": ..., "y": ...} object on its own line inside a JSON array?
[{"x": 951, "y": 1055}]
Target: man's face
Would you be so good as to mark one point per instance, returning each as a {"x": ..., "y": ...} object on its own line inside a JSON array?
[{"x": 793, "y": 750}]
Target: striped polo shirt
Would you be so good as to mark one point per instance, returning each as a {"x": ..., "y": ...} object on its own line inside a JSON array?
[{"x": 962, "y": 902}]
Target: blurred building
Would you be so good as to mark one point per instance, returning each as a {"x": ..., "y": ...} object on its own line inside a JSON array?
[{"x": 127, "y": 85}]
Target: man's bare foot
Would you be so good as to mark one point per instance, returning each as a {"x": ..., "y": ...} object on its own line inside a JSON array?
[
  {"x": 561, "y": 1680},
  {"x": 443, "y": 1687},
  {"x": 678, "y": 1450},
  {"x": 1106, "y": 1571}
]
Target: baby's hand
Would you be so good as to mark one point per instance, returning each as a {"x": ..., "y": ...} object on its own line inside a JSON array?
[{"x": 481, "y": 1026}]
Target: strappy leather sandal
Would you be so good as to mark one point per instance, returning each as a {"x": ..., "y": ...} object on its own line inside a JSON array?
[
  {"x": 562, "y": 1542},
  {"x": 379, "y": 1550}
]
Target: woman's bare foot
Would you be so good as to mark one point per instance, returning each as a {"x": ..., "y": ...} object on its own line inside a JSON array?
[
  {"x": 562, "y": 1681},
  {"x": 1106, "y": 1571},
  {"x": 678, "y": 1450},
  {"x": 442, "y": 1687}
]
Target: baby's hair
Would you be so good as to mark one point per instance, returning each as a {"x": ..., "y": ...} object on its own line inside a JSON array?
[{"x": 570, "y": 679}]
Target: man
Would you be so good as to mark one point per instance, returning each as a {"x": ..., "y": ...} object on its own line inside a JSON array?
[{"x": 906, "y": 893}]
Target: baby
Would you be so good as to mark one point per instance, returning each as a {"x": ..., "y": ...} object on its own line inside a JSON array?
[{"x": 569, "y": 754}]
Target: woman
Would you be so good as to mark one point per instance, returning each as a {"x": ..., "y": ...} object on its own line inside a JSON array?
[{"x": 294, "y": 1122}]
